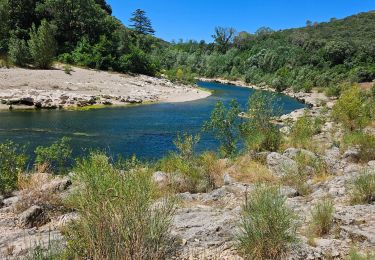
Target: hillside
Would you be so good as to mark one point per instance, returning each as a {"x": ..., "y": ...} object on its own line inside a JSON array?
[{"x": 318, "y": 55}]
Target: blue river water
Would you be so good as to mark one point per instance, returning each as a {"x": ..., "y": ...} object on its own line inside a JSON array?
[{"x": 146, "y": 131}]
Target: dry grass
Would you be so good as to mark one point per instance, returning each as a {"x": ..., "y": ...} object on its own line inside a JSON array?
[
  {"x": 246, "y": 170},
  {"x": 32, "y": 192}
]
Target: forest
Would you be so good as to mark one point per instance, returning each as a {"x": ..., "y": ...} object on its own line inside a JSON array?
[{"x": 84, "y": 33}]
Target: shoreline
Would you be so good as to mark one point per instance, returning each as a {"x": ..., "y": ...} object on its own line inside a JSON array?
[{"x": 23, "y": 89}]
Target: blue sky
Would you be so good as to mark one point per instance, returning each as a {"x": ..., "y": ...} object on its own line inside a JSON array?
[{"x": 196, "y": 19}]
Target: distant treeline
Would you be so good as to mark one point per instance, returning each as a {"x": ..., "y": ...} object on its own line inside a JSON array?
[{"x": 84, "y": 33}]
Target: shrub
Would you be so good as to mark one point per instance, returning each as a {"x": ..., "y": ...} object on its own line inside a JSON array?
[
  {"x": 365, "y": 143},
  {"x": 322, "y": 217},
  {"x": 355, "y": 255},
  {"x": 119, "y": 217},
  {"x": 42, "y": 45},
  {"x": 12, "y": 163},
  {"x": 212, "y": 170},
  {"x": 55, "y": 157},
  {"x": 18, "y": 53},
  {"x": 68, "y": 69},
  {"x": 185, "y": 145},
  {"x": 137, "y": 62},
  {"x": 303, "y": 130},
  {"x": 362, "y": 188},
  {"x": 352, "y": 109},
  {"x": 259, "y": 131},
  {"x": 268, "y": 227},
  {"x": 224, "y": 124}
]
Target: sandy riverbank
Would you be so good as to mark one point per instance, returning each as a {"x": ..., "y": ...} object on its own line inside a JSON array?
[{"x": 24, "y": 88}]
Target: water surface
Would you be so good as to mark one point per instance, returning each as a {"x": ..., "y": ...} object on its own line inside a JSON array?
[{"x": 144, "y": 130}]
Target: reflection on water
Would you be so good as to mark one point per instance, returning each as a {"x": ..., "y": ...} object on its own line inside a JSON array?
[{"x": 147, "y": 131}]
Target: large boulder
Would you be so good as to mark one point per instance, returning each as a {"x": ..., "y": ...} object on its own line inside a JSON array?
[
  {"x": 351, "y": 155},
  {"x": 292, "y": 153},
  {"x": 280, "y": 164}
]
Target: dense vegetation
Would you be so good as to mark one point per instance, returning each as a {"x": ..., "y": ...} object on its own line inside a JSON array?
[
  {"x": 84, "y": 33},
  {"x": 319, "y": 55}
]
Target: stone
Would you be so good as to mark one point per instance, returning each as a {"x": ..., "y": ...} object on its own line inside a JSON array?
[
  {"x": 57, "y": 184},
  {"x": 288, "y": 192},
  {"x": 227, "y": 179},
  {"x": 292, "y": 153},
  {"x": 351, "y": 155},
  {"x": 32, "y": 217},
  {"x": 160, "y": 177},
  {"x": 279, "y": 164}
]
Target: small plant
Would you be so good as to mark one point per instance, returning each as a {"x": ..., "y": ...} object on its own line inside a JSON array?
[
  {"x": 12, "y": 164},
  {"x": 362, "y": 188},
  {"x": 185, "y": 145},
  {"x": 365, "y": 143},
  {"x": 212, "y": 170},
  {"x": 354, "y": 254},
  {"x": 303, "y": 130},
  {"x": 18, "y": 53},
  {"x": 352, "y": 109},
  {"x": 57, "y": 156},
  {"x": 119, "y": 215},
  {"x": 322, "y": 217},
  {"x": 268, "y": 227},
  {"x": 224, "y": 124},
  {"x": 68, "y": 69}
]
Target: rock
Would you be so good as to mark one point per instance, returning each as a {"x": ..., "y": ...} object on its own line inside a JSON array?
[
  {"x": 32, "y": 217},
  {"x": 227, "y": 179},
  {"x": 10, "y": 201},
  {"x": 351, "y": 155},
  {"x": 292, "y": 153},
  {"x": 160, "y": 177},
  {"x": 57, "y": 184},
  {"x": 371, "y": 165},
  {"x": 288, "y": 192},
  {"x": 352, "y": 169},
  {"x": 279, "y": 164},
  {"x": 261, "y": 156}
]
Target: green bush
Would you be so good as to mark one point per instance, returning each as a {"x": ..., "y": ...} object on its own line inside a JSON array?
[
  {"x": 352, "y": 109},
  {"x": 362, "y": 188},
  {"x": 268, "y": 227},
  {"x": 12, "y": 163},
  {"x": 260, "y": 133},
  {"x": 18, "y": 52},
  {"x": 355, "y": 255},
  {"x": 119, "y": 215},
  {"x": 224, "y": 124},
  {"x": 137, "y": 62},
  {"x": 365, "y": 143},
  {"x": 303, "y": 130},
  {"x": 55, "y": 157},
  {"x": 42, "y": 45},
  {"x": 322, "y": 217}
]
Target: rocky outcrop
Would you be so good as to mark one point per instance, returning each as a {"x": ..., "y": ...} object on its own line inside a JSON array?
[{"x": 280, "y": 164}]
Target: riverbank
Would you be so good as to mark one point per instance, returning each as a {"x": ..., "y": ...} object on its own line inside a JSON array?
[{"x": 56, "y": 89}]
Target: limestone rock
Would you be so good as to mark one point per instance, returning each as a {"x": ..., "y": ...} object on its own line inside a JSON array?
[
  {"x": 32, "y": 217},
  {"x": 279, "y": 164}
]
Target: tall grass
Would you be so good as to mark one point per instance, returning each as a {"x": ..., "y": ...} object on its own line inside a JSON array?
[
  {"x": 268, "y": 227},
  {"x": 119, "y": 216},
  {"x": 322, "y": 217},
  {"x": 362, "y": 188}
]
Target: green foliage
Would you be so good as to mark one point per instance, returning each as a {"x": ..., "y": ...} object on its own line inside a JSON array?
[
  {"x": 4, "y": 25},
  {"x": 373, "y": 90},
  {"x": 57, "y": 156},
  {"x": 18, "y": 52},
  {"x": 137, "y": 62},
  {"x": 141, "y": 23},
  {"x": 355, "y": 255},
  {"x": 119, "y": 218},
  {"x": 268, "y": 226},
  {"x": 365, "y": 143},
  {"x": 260, "y": 133},
  {"x": 68, "y": 69},
  {"x": 224, "y": 124},
  {"x": 322, "y": 217},
  {"x": 12, "y": 163},
  {"x": 185, "y": 144},
  {"x": 303, "y": 130},
  {"x": 362, "y": 188},
  {"x": 352, "y": 109},
  {"x": 42, "y": 45}
]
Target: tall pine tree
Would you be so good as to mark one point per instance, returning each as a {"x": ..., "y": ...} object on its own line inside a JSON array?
[{"x": 141, "y": 23}]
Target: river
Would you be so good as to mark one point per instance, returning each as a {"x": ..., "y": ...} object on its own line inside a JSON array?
[{"x": 144, "y": 130}]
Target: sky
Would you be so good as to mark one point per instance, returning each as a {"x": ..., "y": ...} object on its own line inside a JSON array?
[{"x": 196, "y": 19}]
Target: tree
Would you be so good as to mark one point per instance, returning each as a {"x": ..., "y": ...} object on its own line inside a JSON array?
[
  {"x": 224, "y": 124},
  {"x": 18, "y": 52},
  {"x": 141, "y": 23},
  {"x": 42, "y": 45},
  {"x": 223, "y": 38},
  {"x": 4, "y": 25}
]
